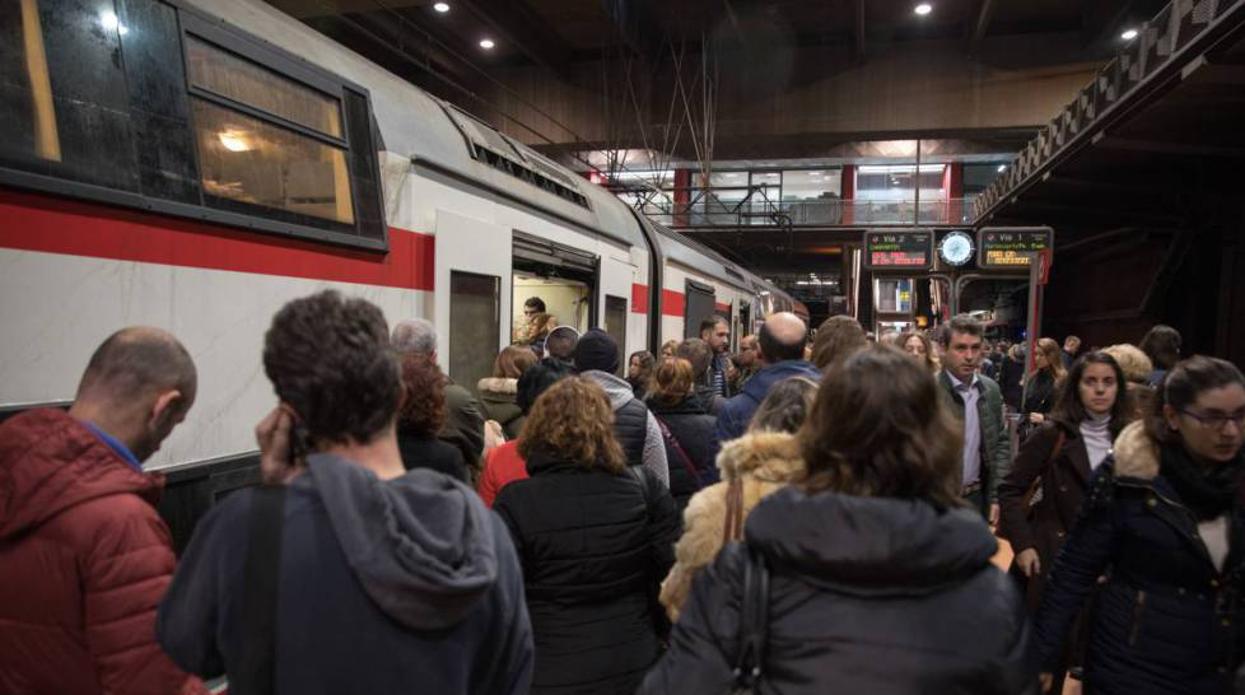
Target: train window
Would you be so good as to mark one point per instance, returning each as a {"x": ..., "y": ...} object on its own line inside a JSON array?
[
  {"x": 699, "y": 305},
  {"x": 616, "y": 326},
  {"x": 64, "y": 96},
  {"x": 100, "y": 101},
  {"x": 232, "y": 77},
  {"x": 248, "y": 161}
]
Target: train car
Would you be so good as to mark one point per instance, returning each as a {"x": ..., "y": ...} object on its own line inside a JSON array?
[{"x": 195, "y": 164}]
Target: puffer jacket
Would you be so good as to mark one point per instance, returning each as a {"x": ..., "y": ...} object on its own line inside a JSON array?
[
  {"x": 636, "y": 431},
  {"x": 692, "y": 429},
  {"x": 497, "y": 400},
  {"x": 867, "y": 595},
  {"x": 84, "y": 561},
  {"x": 1167, "y": 620},
  {"x": 764, "y": 462},
  {"x": 594, "y": 546}
]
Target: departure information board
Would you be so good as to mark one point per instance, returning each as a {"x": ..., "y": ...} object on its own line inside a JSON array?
[
  {"x": 890, "y": 250},
  {"x": 1003, "y": 248}
]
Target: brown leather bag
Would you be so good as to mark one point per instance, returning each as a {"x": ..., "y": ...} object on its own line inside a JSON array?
[
  {"x": 1033, "y": 496},
  {"x": 733, "y": 529}
]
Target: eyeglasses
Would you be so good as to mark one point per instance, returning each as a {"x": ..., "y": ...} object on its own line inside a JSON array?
[
  {"x": 1218, "y": 421},
  {"x": 530, "y": 312}
]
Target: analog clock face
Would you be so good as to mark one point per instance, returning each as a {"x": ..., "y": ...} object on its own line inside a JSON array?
[{"x": 956, "y": 248}]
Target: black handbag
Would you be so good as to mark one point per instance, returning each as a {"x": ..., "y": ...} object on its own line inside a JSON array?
[{"x": 753, "y": 626}]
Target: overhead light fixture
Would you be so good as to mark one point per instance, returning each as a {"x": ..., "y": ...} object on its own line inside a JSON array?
[
  {"x": 235, "y": 141},
  {"x": 1002, "y": 167},
  {"x": 923, "y": 9},
  {"x": 487, "y": 44},
  {"x": 441, "y": 7},
  {"x": 110, "y": 22},
  {"x": 1129, "y": 34}
]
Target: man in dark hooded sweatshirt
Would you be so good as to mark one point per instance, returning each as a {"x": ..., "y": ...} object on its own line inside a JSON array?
[{"x": 387, "y": 581}]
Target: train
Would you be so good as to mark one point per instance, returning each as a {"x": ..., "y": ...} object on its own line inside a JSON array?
[{"x": 195, "y": 164}]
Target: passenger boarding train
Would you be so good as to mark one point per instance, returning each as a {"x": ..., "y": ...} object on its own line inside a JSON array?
[{"x": 195, "y": 164}]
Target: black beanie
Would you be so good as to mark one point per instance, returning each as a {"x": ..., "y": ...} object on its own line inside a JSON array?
[{"x": 596, "y": 350}]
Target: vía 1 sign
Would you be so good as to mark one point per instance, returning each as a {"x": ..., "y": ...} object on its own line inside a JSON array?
[
  {"x": 1002, "y": 248},
  {"x": 891, "y": 250}
]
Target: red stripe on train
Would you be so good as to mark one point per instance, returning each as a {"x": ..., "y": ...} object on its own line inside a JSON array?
[
  {"x": 53, "y": 225},
  {"x": 672, "y": 303}
]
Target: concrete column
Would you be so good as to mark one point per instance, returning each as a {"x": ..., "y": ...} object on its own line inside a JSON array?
[{"x": 847, "y": 191}]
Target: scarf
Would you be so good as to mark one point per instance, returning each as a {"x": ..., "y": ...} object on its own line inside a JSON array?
[
  {"x": 1096, "y": 433},
  {"x": 1208, "y": 491}
]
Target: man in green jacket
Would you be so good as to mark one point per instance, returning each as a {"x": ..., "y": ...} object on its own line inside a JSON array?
[
  {"x": 977, "y": 401},
  {"x": 464, "y": 419}
]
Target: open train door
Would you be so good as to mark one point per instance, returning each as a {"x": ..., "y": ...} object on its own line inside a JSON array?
[{"x": 472, "y": 294}]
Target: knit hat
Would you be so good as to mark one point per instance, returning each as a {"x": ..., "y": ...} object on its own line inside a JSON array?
[{"x": 596, "y": 350}]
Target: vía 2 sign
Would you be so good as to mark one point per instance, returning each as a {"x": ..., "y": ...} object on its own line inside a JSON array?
[{"x": 899, "y": 250}]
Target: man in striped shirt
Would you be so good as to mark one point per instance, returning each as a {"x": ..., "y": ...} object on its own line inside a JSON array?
[{"x": 716, "y": 332}]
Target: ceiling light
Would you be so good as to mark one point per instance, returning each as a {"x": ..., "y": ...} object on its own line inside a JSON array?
[
  {"x": 235, "y": 141},
  {"x": 1002, "y": 167},
  {"x": 441, "y": 7},
  {"x": 110, "y": 22},
  {"x": 923, "y": 9},
  {"x": 487, "y": 44},
  {"x": 1129, "y": 34}
]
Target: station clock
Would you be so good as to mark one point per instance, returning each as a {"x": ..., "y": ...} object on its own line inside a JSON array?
[{"x": 956, "y": 249}]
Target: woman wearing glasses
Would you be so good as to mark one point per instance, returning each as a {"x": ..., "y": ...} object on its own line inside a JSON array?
[{"x": 1163, "y": 522}]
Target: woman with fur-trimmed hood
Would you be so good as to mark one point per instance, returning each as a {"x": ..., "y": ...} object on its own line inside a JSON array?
[
  {"x": 1164, "y": 521},
  {"x": 752, "y": 467}
]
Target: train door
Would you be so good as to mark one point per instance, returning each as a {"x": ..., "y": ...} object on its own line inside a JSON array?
[
  {"x": 617, "y": 277},
  {"x": 472, "y": 266},
  {"x": 700, "y": 303},
  {"x": 563, "y": 279}
]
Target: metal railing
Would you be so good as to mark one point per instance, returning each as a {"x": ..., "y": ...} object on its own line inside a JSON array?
[
  {"x": 711, "y": 212},
  {"x": 1179, "y": 24}
]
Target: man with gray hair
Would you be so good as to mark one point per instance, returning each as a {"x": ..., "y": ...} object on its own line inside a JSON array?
[{"x": 464, "y": 420}]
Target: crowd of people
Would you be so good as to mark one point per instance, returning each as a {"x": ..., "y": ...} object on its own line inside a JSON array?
[{"x": 812, "y": 513}]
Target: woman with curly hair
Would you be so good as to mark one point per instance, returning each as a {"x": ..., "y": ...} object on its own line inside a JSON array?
[
  {"x": 595, "y": 538},
  {"x": 421, "y": 416}
]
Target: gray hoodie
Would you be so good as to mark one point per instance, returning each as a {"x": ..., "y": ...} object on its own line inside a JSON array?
[
  {"x": 620, "y": 393},
  {"x": 403, "y": 585}
]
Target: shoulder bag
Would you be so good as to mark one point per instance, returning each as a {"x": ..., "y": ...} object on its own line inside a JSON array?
[
  {"x": 1033, "y": 496},
  {"x": 673, "y": 444},
  {"x": 753, "y": 626},
  {"x": 256, "y": 672}
]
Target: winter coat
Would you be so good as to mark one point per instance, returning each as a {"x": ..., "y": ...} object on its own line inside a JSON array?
[
  {"x": 627, "y": 425},
  {"x": 402, "y": 585},
  {"x": 1011, "y": 374},
  {"x": 1167, "y": 621},
  {"x": 594, "y": 546},
  {"x": 1063, "y": 487},
  {"x": 1042, "y": 392},
  {"x": 419, "y": 451},
  {"x": 737, "y": 412},
  {"x": 497, "y": 400},
  {"x": 692, "y": 428},
  {"x": 464, "y": 425},
  {"x": 867, "y": 595},
  {"x": 764, "y": 462},
  {"x": 502, "y": 465},
  {"x": 84, "y": 561},
  {"x": 996, "y": 446}
]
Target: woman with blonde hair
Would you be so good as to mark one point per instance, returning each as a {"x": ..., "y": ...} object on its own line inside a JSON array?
[
  {"x": 1040, "y": 387},
  {"x": 1137, "y": 369},
  {"x": 917, "y": 344},
  {"x": 594, "y": 537},
  {"x": 753, "y": 466},
  {"x": 668, "y": 348},
  {"x": 686, "y": 428},
  {"x": 497, "y": 392}
]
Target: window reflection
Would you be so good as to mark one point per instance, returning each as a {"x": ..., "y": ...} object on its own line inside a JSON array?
[
  {"x": 249, "y": 161},
  {"x": 243, "y": 81}
]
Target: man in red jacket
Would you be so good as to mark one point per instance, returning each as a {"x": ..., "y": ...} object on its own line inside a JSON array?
[{"x": 84, "y": 557}]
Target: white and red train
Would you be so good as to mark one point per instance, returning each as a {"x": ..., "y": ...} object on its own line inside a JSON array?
[{"x": 195, "y": 164}]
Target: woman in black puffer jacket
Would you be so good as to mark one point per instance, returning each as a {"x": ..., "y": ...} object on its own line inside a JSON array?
[
  {"x": 1165, "y": 517},
  {"x": 880, "y": 581},
  {"x": 687, "y": 429},
  {"x": 595, "y": 539}
]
